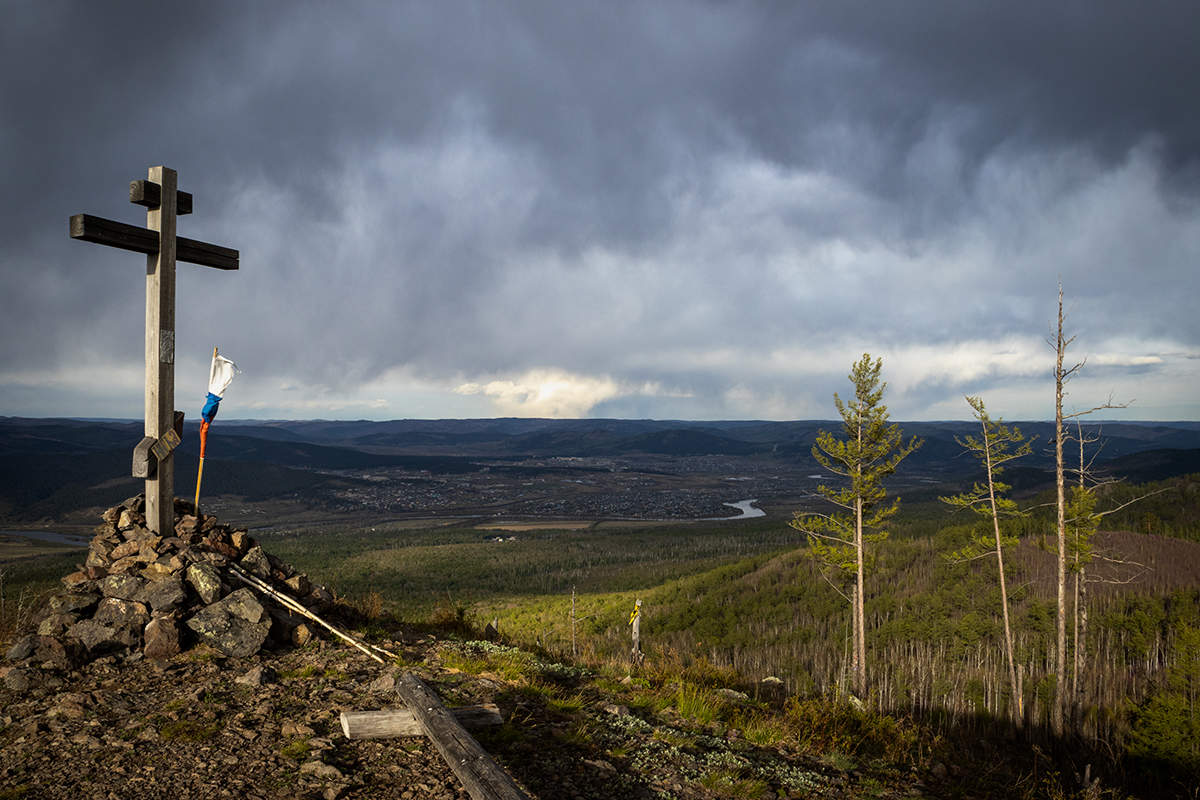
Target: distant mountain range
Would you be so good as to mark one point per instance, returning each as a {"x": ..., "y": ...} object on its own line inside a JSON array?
[{"x": 69, "y": 462}]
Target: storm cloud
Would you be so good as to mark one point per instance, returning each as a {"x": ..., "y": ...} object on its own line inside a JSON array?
[{"x": 670, "y": 209}]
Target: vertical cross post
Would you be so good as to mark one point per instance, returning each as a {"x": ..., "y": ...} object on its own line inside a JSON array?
[
  {"x": 160, "y": 349},
  {"x": 153, "y": 457}
]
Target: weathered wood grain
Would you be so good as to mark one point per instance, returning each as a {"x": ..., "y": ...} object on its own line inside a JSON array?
[
  {"x": 390, "y": 722},
  {"x": 480, "y": 775},
  {"x": 144, "y": 463},
  {"x": 89, "y": 228},
  {"x": 160, "y": 353},
  {"x": 148, "y": 194}
]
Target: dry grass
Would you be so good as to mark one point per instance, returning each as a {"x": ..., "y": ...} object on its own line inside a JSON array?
[
  {"x": 635, "y": 523},
  {"x": 15, "y": 549},
  {"x": 575, "y": 525}
]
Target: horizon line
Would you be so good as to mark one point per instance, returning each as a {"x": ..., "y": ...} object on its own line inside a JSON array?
[{"x": 277, "y": 420}]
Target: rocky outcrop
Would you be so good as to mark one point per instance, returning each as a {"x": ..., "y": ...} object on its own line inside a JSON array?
[
  {"x": 141, "y": 593},
  {"x": 237, "y": 625}
]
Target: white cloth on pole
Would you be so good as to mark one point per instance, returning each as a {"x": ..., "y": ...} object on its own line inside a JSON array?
[{"x": 221, "y": 375}]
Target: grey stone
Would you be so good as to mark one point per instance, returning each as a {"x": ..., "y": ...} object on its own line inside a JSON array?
[
  {"x": 771, "y": 688},
  {"x": 319, "y": 769},
  {"x": 241, "y": 540},
  {"x": 256, "y": 562},
  {"x": 257, "y": 676},
  {"x": 206, "y": 580},
  {"x": 164, "y": 595},
  {"x": 94, "y": 636},
  {"x": 288, "y": 627},
  {"x": 79, "y": 582},
  {"x": 290, "y": 729},
  {"x": 144, "y": 537},
  {"x": 124, "y": 550},
  {"x": 18, "y": 680},
  {"x": 299, "y": 585},
  {"x": 56, "y": 624},
  {"x": 162, "y": 638},
  {"x": 72, "y": 601},
  {"x": 123, "y": 587},
  {"x": 157, "y": 571},
  {"x": 384, "y": 684},
  {"x": 99, "y": 553},
  {"x": 319, "y": 597},
  {"x": 237, "y": 625},
  {"x": 120, "y": 613},
  {"x": 300, "y": 635},
  {"x": 211, "y": 557},
  {"x": 22, "y": 648},
  {"x": 125, "y": 617},
  {"x": 127, "y": 564},
  {"x": 54, "y": 652}
]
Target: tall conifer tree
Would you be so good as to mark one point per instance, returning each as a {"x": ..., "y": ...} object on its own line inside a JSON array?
[
  {"x": 998, "y": 445},
  {"x": 871, "y": 449}
]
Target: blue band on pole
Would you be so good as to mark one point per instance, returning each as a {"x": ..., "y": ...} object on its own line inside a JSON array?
[{"x": 210, "y": 407}]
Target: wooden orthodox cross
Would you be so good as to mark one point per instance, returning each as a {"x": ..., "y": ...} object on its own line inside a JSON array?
[{"x": 153, "y": 457}]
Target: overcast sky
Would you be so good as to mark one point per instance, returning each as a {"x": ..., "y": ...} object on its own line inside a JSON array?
[{"x": 653, "y": 209}]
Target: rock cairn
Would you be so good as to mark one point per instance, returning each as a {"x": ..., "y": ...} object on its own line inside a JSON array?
[{"x": 141, "y": 594}]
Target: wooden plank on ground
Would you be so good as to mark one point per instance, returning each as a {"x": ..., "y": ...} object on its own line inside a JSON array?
[
  {"x": 480, "y": 775},
  {"x": 401, "y": 722}
]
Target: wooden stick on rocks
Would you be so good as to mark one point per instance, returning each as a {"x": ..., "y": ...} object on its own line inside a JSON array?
[{"x": 295, "y": 605}]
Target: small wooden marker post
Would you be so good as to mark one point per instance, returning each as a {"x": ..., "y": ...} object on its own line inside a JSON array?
[
  {"x": 153, "y": 456},
  {"x": 636, "y": 656}
]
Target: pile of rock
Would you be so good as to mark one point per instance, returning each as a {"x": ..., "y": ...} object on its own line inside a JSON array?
[{"x": 139, "y": 593}]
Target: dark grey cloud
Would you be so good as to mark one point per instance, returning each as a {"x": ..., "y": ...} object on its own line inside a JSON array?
[{"x": 687, "y": 208}]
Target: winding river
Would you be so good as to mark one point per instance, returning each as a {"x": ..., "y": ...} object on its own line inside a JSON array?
[{"x": 747, "y": 508}]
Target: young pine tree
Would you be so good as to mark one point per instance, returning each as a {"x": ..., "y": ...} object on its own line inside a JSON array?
[
  {"x": 1167, "y": 726},
  {"x": 998, "y": 445},
  {"x": 870, "y": 451}
]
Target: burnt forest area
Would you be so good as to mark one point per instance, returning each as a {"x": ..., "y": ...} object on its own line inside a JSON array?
[{"x": 428, "y": 536}]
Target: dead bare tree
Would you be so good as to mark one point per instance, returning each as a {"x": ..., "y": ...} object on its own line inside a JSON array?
[{"x": 1063, "y": 374}]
